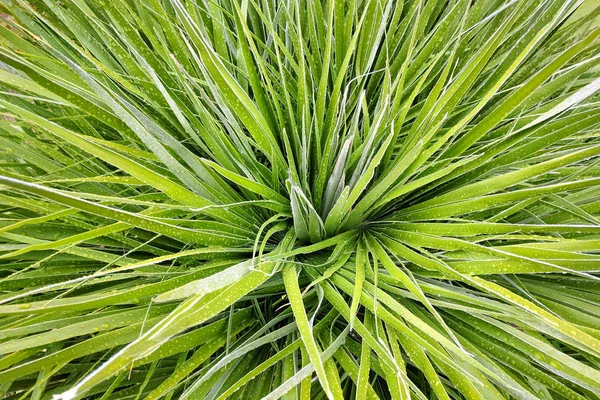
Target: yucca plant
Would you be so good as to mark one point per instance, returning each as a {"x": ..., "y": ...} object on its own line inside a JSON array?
[{"x": 260, "y": 199}]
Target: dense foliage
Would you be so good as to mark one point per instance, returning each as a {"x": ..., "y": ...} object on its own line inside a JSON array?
[{"x": 395, "y": 199}]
